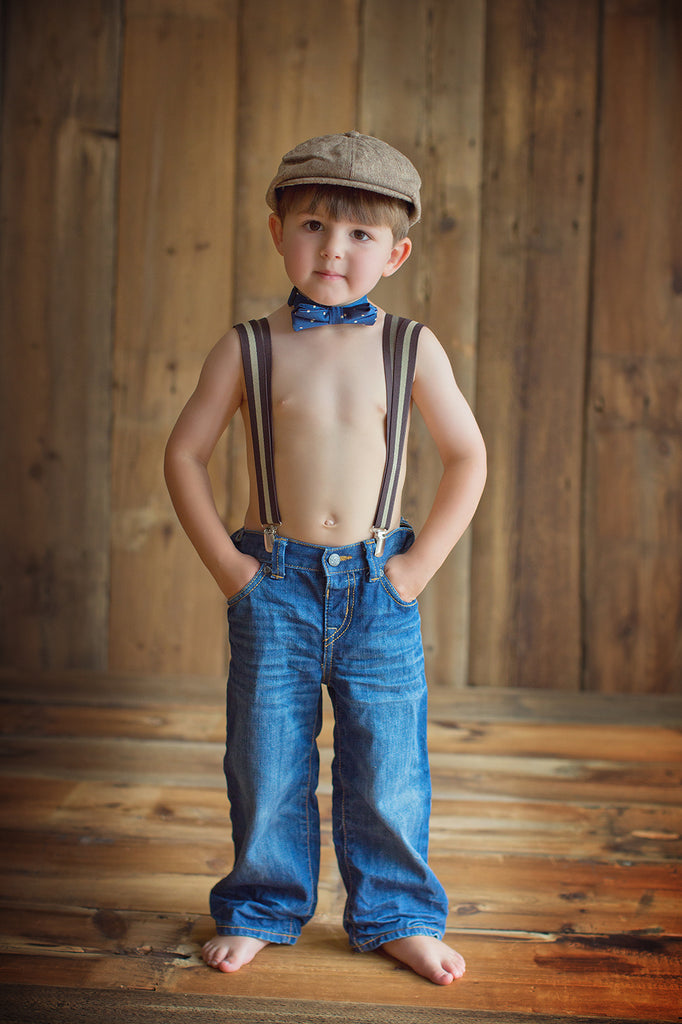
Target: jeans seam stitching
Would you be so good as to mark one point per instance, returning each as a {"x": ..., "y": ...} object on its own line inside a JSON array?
[
  {"x": 350, "y": 885},
  {"x": 266, "y": 931},
  {"x": 252, "y": 585},
  {"x": 408, "y": 933},
  {"x": 307, "y": 823},
  {"x": 396, "y": 599},
  {"x": 348, "y": 613}
]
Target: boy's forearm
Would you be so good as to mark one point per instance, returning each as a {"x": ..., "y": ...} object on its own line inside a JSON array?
[
  {"x": 456, "y": 500},
  {"x": 190, "y": 489}
]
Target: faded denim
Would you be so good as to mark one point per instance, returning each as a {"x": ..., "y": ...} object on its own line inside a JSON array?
[{"x": 316, "y": 616}]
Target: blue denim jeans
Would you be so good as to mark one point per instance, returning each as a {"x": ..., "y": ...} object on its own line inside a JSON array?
[{"x": 316, "y": 616}]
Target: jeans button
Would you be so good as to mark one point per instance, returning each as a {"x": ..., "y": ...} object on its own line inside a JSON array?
[{"x": 334, "y": 559}]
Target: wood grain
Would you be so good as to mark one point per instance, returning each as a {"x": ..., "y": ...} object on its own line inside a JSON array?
[
  {"x": 452, "y": 237},
  {"x": 563, "y": 871},
  {"x": 634, "y": 452},
  {"x": 137, "y": 143},
  {"x": 541, "y": 66},
  {"x": 178, "y": 110},
  {"x": 58, "y": 185}
]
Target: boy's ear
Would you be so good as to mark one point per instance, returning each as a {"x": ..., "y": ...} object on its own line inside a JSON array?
[
  {"x": 399, "y": 253},
  {"x": 276, "y": 229}
]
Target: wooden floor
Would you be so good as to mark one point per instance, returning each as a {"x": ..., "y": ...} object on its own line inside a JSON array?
[{"x": 556, "y": 829}]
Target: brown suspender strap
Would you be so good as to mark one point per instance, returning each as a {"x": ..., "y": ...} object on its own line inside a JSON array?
[
  {"x": 400, "y": 338},
  {"x": 256, "y": 346}
]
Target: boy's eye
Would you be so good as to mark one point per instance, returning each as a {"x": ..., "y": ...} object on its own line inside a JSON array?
[
  {"x": 360, "y": 235},
  {"x": 313, "y": 225}
]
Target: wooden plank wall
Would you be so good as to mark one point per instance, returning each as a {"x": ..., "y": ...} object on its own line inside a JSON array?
[
  {"x": 633, "y": 527},
  {"x": 174, "y": 299},
  {"x": 137, "y": 141},
  {"x": 58, "y": 198},
  {"x": 541, "y": 62}
]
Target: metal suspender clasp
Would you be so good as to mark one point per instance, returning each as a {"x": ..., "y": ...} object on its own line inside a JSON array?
[
  {"x": 380, "y": 534},
  {"x": 269, "y": 534}
]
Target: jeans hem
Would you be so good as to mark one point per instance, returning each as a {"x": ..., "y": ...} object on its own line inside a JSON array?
[
  {"x": 369, "y": 945},
  {"x": 264, "y": 934}
]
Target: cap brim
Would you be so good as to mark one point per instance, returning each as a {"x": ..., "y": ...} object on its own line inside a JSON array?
[{"x": 271, "y": 196}]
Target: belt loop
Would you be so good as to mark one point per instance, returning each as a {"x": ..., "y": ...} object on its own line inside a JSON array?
[
  {"x": 373, "y": 566},
  {"x": 278, "y": 564}
]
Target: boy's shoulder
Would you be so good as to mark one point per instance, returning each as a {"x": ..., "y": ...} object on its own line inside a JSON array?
[
  {"x": 399, "y": 318},
  {"x": 418, "y": 332}
]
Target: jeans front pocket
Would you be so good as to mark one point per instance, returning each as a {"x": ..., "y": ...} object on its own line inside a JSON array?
[
  {"x": 393, "y": 593},
  {"x": 254, "y": 582}
]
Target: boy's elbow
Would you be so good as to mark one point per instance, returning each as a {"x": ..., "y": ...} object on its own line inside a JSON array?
[
  {"x": 169, "y": 453},
  {"x": 178, "y": 459},
  {"x": 172, "y": 458},
  {"x": 477, "y": 453},
  {"x": 472, "y": 462},
  {"x": 481, "y": 461},
  {"x": 168, "y": 461}
]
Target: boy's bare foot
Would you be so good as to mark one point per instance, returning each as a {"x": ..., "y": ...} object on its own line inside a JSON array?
[
  {"x": 230, "y": 952},
  {"x": 429, "y": 957}
]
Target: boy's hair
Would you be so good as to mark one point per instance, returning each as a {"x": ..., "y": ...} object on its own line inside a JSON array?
[{"x": 344, "y": 203}]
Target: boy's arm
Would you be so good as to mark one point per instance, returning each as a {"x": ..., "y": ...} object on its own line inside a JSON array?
[
  {"x": 217, "y": 397},
  {"x": 452, "y": 426}
]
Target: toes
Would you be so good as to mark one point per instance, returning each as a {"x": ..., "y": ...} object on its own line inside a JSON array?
[
  {"x": 446, "y": 972},
  {"x": 455, "y": 967},
  {"x": 212, "y": 953},
  {"x": 227, "y": 966},
  {"x": 228, "y": 954},
  {"x": 429, "y": 957}
]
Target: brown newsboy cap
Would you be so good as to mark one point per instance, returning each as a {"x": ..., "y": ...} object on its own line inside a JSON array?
[{"x": 353, "y": 160}]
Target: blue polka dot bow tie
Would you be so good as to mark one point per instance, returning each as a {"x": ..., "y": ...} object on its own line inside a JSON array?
[{"x": 306, "y": 313}]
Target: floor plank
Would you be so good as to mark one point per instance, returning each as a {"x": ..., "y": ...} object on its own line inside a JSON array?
[
  {"x": 607, "y": 978},
  {"x": 493, "y": 894},
  {"x": 493, "y": 704},
  {"x": 630, "y": 743},
  {"x": 177, "y": 762},
  {"x": 64, "y": 1006},
  {"x": 476, "y": 824},
  {"x": 557, "y": 833}
]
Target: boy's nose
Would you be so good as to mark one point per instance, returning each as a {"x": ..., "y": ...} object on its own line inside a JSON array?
[{"x": 331, "y": 248}]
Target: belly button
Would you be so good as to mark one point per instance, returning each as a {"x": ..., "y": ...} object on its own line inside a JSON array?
[{"x": 330, "y": 522}]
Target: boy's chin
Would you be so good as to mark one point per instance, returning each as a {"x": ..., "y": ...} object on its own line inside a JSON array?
[{"x": 330, "y": 292}]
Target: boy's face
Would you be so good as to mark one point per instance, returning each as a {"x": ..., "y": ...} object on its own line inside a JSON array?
[{"x": 335, "y": 262}]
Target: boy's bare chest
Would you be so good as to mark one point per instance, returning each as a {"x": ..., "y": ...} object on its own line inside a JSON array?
[{"x": 328, "y": 387}]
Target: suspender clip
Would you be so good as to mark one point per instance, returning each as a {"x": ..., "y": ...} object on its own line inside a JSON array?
[
  {"x": 380, "y": 534},
  {"x": 269, "y": 534}
]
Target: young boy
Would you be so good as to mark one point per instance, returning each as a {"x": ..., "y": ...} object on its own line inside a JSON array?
[{"x": 322, "y": 581}]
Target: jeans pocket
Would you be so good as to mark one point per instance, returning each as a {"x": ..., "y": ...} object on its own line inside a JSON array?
[
  {"x": 250, "y": 586},
  {"x": 393, "y": 593}
]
